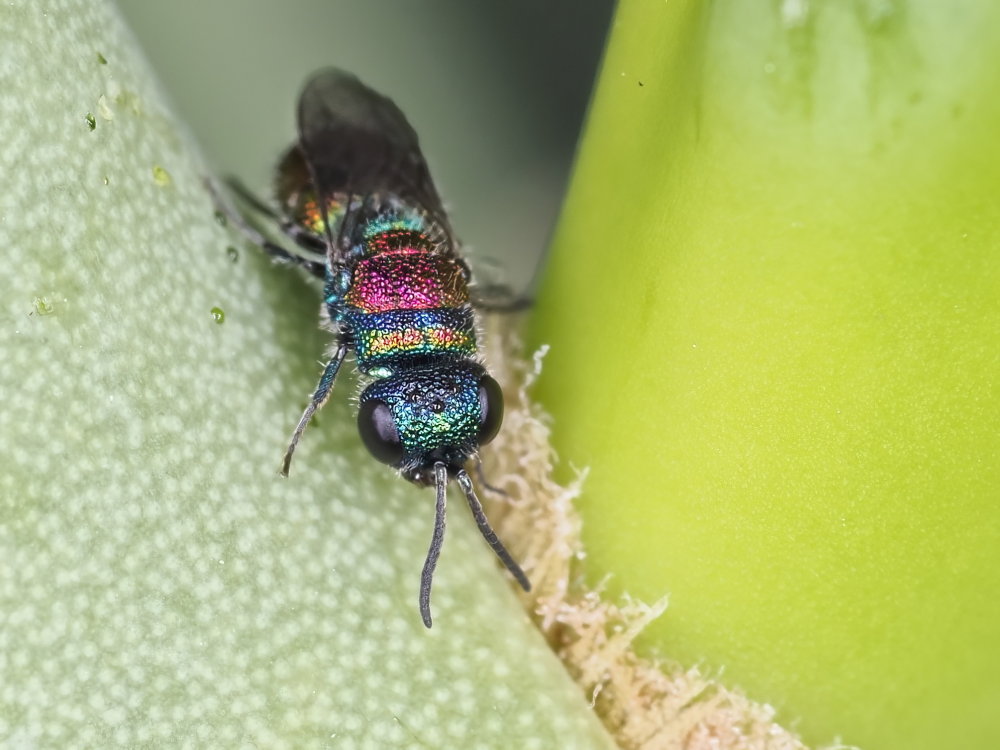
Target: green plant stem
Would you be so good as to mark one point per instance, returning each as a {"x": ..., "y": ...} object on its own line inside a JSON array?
[{"x": 774, "y": 319}]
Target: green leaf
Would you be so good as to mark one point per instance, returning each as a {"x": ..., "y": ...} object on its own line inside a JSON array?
[
  {"x": 160, "y": 584},
  {"x": 774, "y": 319}
]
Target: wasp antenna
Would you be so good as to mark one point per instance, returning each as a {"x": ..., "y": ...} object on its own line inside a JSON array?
[
  {"x": 487, "y": 531},
  {"x": 441, "y": 484}
]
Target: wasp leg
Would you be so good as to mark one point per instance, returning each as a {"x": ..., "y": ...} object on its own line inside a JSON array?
[
  {"x": 481, "y": 476},
  {"x": 299, "y": 235},
  {"x": 498, "y": 298},
  {"x": 315, "y": 267},
  {"x": 319, "y": 398}
]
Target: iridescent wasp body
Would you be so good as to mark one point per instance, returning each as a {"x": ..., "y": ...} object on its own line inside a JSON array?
[{"x": 355, "y": 195}]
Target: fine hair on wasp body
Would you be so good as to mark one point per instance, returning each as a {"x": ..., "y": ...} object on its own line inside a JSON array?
[{"x": 356, "y": 199}]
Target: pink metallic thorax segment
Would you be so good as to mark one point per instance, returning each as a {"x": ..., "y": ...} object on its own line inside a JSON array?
[{"x": 408, "y": 279}]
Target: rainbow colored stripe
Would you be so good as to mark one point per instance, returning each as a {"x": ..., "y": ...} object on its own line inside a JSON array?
[{"x": 386, "y": 339}]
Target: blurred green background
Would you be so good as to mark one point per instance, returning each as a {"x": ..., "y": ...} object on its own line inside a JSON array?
[{"x": 497, "y": 92}]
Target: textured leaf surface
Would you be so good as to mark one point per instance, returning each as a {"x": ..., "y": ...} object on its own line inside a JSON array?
[{"x": 159, "y": 583}]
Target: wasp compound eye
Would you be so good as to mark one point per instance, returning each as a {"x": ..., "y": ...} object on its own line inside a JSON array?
[
  {"x": 379, "y": 432},
  {"x": 490, "y": 409}
]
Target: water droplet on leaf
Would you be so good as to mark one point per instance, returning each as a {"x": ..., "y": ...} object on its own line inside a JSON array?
[{"x": 161, "y": 176}]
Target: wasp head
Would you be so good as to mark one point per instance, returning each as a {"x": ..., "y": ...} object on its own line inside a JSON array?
[{"x": 427, "y": 415}]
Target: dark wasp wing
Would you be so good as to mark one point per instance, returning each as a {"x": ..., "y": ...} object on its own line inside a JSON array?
[{"x": 358, "y": 142}]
